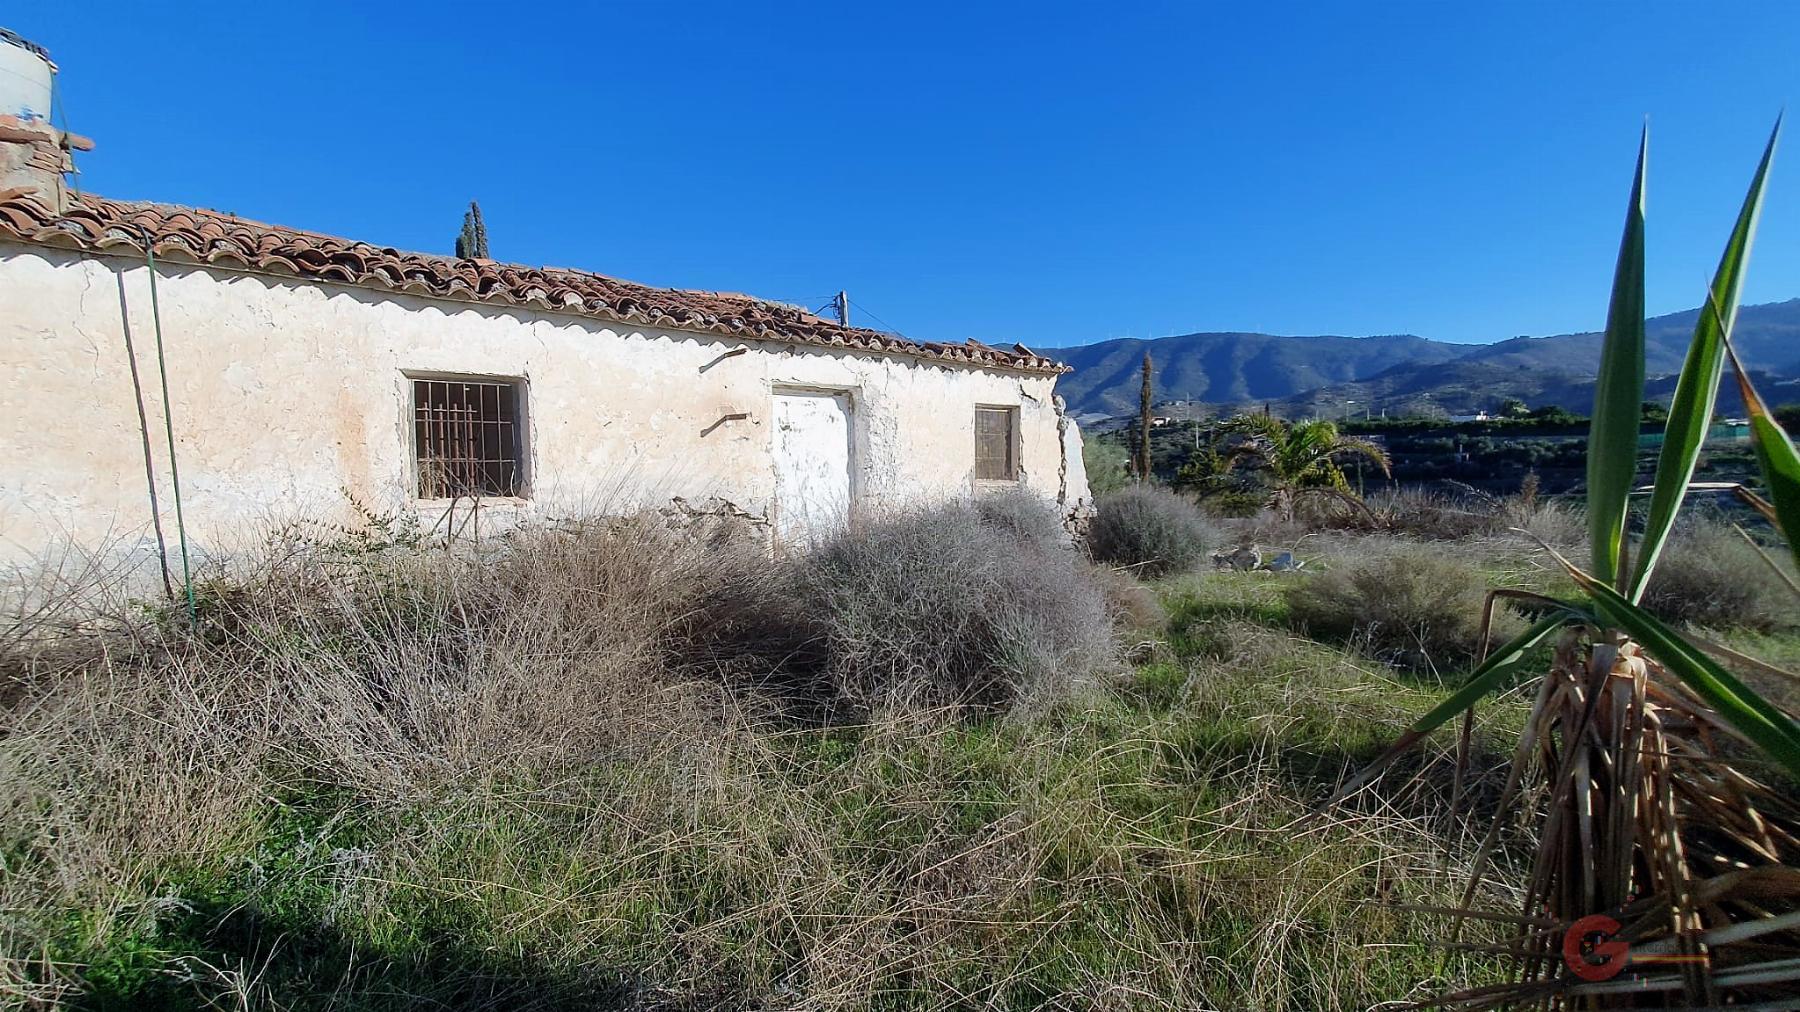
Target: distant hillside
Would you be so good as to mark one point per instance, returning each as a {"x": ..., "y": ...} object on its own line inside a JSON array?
[
  {"x": 1228, "y": 368},
  {"x": 1303, "y": 375}
]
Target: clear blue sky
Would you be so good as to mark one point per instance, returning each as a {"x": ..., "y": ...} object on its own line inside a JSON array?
[{"x": 1042, "y": 173}]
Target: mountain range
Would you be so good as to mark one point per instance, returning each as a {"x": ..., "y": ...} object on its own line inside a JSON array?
[{"x": 1404, "y": 373}]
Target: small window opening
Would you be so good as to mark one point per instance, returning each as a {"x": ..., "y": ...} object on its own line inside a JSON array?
[
  {"x": 996, "y": 444},
  {"x": 466, "y": 438}
]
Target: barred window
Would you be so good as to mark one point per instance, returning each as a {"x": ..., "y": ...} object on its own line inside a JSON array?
[
  {"x": 996, "y": 444},
  {"x": 466, "y": 438}
]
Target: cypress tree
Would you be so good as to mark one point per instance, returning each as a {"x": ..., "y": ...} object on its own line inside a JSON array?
[
  {"x": 472, "y": 243},
  {"x": 1144, "y": 424}
]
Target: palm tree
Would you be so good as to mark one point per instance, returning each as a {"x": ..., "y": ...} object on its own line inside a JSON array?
[
  {"x": 1301, "y": 459},
  {"x": 1206, "y": 473}
]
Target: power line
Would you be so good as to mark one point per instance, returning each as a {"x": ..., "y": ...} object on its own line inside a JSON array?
[
  {"x": 890, "y": 328},
  {"x": 821, "y": 304},
  {"x": 804, "y": 301}
]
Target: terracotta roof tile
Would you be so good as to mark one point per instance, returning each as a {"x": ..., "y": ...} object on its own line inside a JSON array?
[{"x": 192, "y": 235}]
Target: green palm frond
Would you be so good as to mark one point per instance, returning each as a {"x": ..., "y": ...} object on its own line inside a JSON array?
[{"x": 1351, "y": 446}]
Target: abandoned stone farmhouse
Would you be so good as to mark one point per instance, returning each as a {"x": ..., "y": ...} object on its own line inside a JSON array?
[{"x": 306, "y": 372}]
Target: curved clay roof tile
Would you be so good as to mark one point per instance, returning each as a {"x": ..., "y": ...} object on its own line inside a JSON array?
[{"x": 97, "y": 224}]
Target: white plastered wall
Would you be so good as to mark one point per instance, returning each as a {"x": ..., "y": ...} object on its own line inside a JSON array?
[{"x": 289, "y": 398}]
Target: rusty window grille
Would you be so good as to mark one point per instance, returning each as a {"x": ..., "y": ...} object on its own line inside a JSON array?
[
  {"x": 996, "y": 444},
  {"x": 466, "y": 437}
]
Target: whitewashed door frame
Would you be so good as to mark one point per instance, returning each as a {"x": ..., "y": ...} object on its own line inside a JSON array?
[{"x": 781, "y": 511}]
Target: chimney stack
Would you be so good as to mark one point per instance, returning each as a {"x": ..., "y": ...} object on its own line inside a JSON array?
[{"x": 33, "y": 154}]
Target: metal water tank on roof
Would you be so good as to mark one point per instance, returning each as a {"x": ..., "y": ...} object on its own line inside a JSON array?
[{"x": 25, "y": 73}]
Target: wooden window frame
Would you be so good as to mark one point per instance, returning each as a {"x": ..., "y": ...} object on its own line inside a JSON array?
[{"x": 1011, "y": 412}]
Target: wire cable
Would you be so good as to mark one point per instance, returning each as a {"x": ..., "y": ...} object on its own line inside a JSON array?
[{"x": 890, "y": 328}]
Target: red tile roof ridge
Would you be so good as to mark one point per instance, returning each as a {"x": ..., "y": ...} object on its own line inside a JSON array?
[{"x": 216, "y": 238}]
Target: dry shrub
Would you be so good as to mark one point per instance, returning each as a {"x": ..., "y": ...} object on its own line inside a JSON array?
[
  {"x": 1410, "y": 605},
  {"x": 750, "y": 629},
  {"x": 1450, "y": 511},
  {"x": 965, "y": 607},
  {"x": 1454, "y": 512},
  {"x": 1708, "y": 575},
  {"x": 395, "y": 669},
  {"x": 1554, "y": 522},
  {"x": 1022, "y": 516},
  {"x": 1436, "y": 514},
  {"x": 957, "y": 605},
  {"x": 1151, "y": 530}
]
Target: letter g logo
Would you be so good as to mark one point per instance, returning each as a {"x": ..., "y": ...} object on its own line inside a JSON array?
[{"x": 1590, "y": 952}]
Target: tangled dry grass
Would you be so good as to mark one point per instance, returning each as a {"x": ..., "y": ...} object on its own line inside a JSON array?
[{"x": 573, "y": 774}]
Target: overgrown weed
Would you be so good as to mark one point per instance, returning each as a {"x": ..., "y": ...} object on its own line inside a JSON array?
[{"x": 554, "y": 778}]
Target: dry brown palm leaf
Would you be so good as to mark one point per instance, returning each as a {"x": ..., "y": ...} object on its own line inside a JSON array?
[{"x": 1665, "y": 873}]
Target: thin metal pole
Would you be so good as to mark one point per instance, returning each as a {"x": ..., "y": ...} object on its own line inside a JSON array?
[
  {"x": 137, "y": 398},
  {"x": 162, "y": 370}
]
